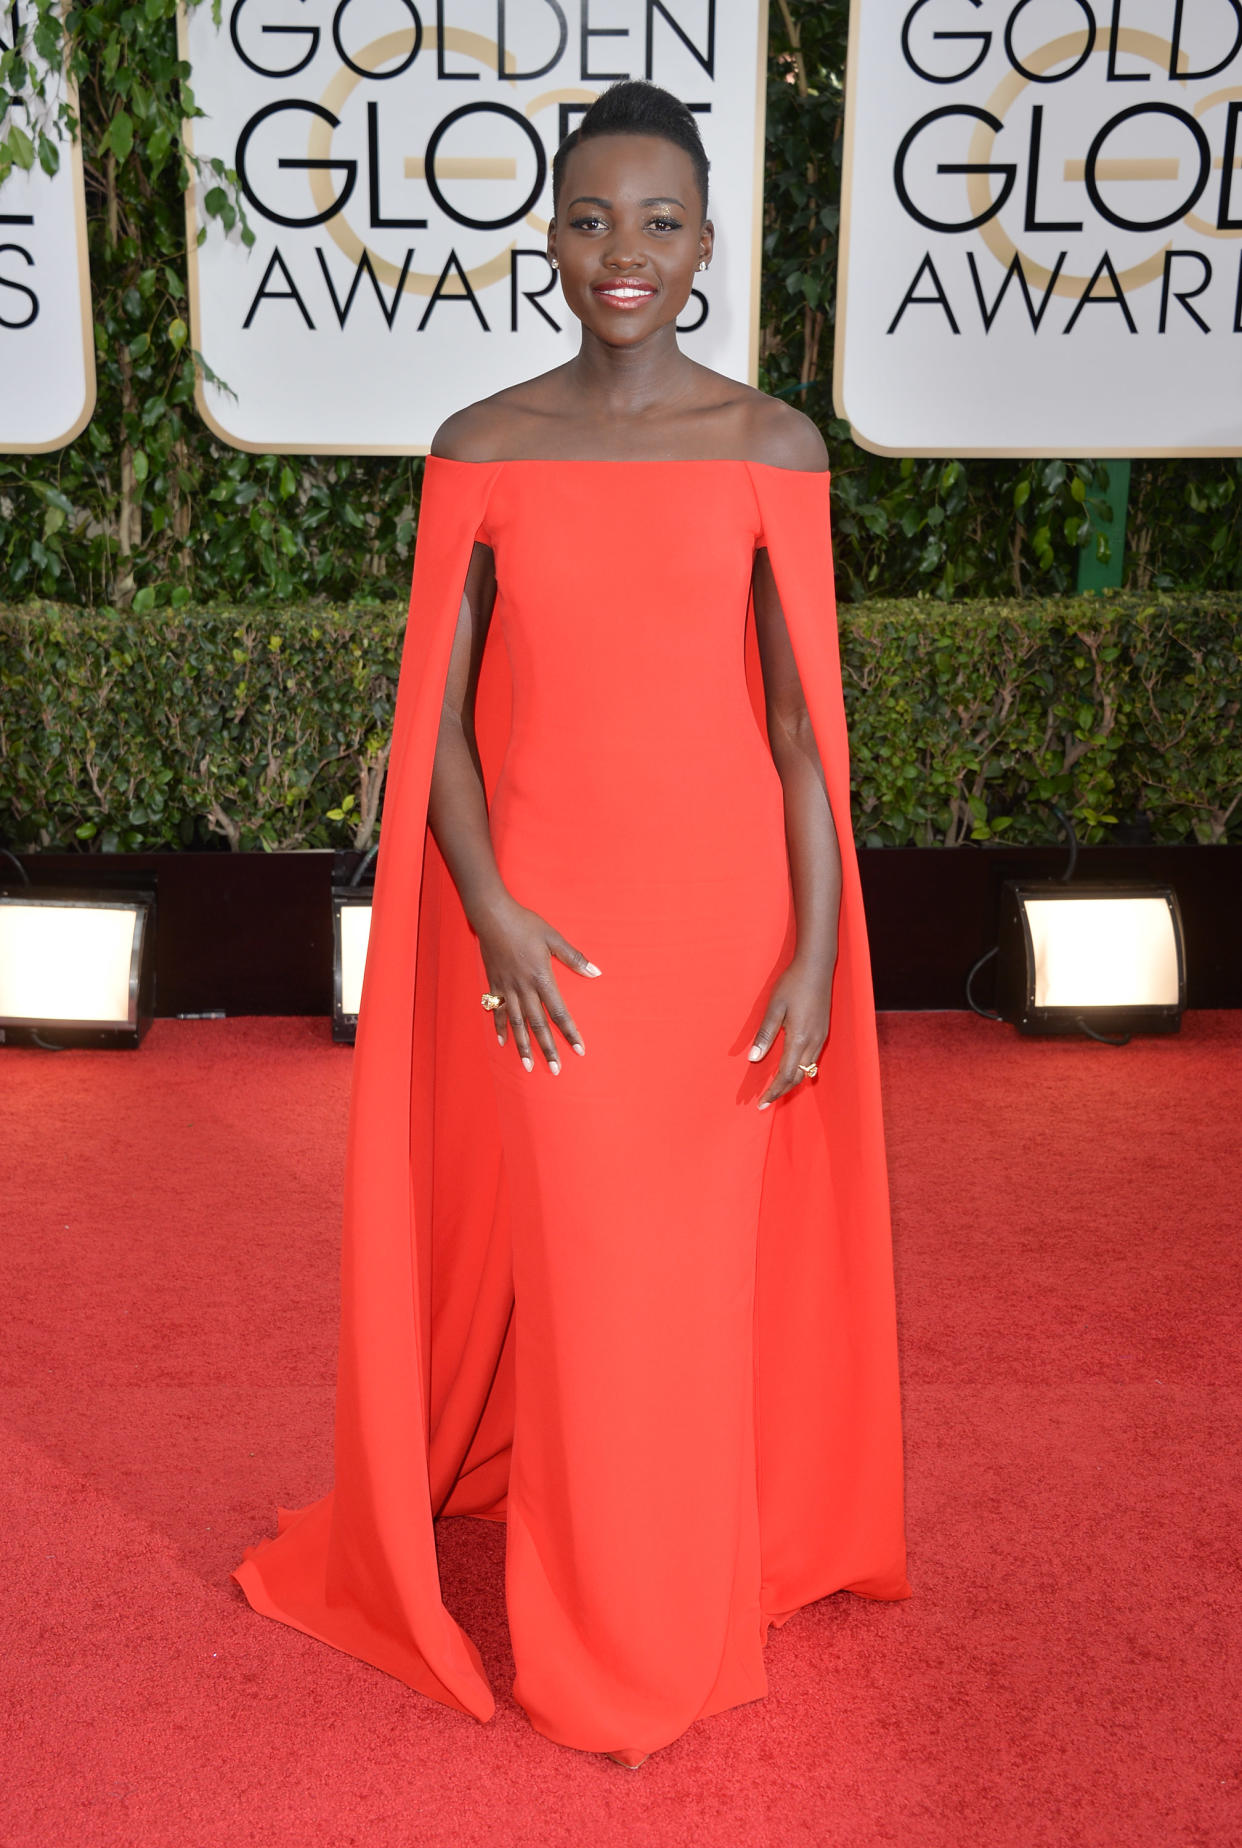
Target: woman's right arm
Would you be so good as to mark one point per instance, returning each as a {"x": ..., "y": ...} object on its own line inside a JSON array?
[
  {"x": 457, "y": 807},
  {"x": 516, "y": 943}
]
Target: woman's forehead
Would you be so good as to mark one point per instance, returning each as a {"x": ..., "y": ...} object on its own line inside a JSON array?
[{"x": 630, "y": 168}]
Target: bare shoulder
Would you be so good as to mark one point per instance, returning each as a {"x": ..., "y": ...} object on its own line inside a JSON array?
[
  {"x": 498, "y": 428},
  {"x": 475, "y": 434},
  {"x": 783, "y": 437}
]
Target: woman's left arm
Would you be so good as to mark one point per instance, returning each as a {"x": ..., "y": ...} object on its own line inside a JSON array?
[{"x": 801, "y": 997}]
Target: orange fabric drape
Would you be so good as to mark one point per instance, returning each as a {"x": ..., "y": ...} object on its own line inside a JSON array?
[{"x": 424, "y": 1397}]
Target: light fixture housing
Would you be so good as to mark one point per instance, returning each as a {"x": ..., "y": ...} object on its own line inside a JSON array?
[
  {"x": 351, "y": 930},
  {"x": 1106, "y": 960},
  {"x": 77, "y": 967}
]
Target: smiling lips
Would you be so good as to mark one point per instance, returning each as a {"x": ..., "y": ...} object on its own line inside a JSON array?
[{"x": 624, "y": 295}]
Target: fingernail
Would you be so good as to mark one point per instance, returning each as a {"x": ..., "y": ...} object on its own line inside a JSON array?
[
  {"x": 592, "y": 970},
  {"x": 554, "y": 1066},
  {"x": 528, "y": 1063},
  {"x": 756, "y": 1052},
  {"x": 579, "y": 1048},
  {"x": 765, "y": 1103}
]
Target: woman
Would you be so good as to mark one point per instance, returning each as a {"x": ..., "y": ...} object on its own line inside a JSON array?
[{"x": 617, "y": 1300}]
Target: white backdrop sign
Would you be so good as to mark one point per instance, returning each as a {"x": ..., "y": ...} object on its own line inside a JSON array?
[
  {"x": 47, "y": 344},
  {"x": 395, "y": 158},
  {"x": 1042, "y": 228}
]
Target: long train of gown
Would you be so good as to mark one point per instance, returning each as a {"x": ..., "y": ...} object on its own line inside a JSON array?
[{"x": 645, "y": 1323}]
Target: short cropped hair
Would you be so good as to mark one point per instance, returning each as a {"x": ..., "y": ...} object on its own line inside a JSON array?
[{"x": 636, "y": 108}]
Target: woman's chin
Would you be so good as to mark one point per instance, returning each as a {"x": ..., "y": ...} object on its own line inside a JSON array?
[{"x": 621, "y": 327}]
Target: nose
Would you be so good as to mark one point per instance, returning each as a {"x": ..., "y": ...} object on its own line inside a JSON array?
[{"x": 620, "y": 258}]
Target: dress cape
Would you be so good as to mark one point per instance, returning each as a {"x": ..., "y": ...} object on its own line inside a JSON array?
[{"x": 424, "y": 1391}]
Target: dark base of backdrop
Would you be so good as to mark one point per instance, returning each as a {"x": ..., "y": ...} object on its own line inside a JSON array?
[{"x": 251, "y": 933}]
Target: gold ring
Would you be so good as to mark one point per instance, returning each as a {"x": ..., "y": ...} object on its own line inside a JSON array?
[
  {"x": 491, "y": 1001},
  {"x": 810, "y": 1069}
]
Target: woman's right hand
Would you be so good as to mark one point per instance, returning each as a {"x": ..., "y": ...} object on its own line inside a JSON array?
[{"x": 518, "y": 946}]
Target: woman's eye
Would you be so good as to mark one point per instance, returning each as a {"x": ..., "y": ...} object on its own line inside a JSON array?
[
  {"x": 666, "y": 224},
  {"x": 585, "y": 224}
]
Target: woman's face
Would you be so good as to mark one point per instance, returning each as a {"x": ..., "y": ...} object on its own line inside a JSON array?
[{"x": 629, "y": 235}]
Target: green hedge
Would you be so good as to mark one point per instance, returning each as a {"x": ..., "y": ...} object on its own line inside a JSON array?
[{"x": 269, "y": 729}]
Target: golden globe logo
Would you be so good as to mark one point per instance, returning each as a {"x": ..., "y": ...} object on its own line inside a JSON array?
[
  {"x": 394, "y": 161},
  {"x": 357, "y": 155},
  {"x": 1146, "y": 167},
  {"x": 1040, "y": 228},
  {"x": 47, "y": 368}
]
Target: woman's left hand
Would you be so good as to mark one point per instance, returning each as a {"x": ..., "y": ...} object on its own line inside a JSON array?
[{"x": 799, "y": 1006}]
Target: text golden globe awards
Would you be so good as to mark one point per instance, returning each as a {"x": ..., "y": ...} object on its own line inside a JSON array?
[
  {"x": 1042, "y": 228},
  {"x": 394, "y": 159}
]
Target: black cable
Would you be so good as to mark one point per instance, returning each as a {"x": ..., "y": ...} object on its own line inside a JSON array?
[
  {"x": 1102, "y": 1038},
  {"x": 983, "y": 1012},
  {"x": 355, "y": 877},
  {"x": 5, "y": 854},
  {"x": 1071, "y": 838}
]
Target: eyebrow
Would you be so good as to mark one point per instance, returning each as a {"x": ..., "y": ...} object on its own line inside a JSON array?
[{"x": 590, "y": 199}]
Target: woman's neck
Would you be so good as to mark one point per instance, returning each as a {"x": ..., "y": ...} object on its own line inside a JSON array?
[{"x": 628, "y": 381}]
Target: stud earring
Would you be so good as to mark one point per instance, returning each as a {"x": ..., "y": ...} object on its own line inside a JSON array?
[
  {"x": 554, "y": 263},
  {"x": 703, "y": 264}
]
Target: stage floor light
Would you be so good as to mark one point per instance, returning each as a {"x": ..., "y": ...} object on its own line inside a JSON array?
[
  {"x": 76, "y": 967},
  {"x": 1105, "y": 960},
  {"x": 351, "y": 931}
]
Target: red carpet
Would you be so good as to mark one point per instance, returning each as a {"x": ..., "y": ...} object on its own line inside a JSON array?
[{"x": 1067, "y": 1671}]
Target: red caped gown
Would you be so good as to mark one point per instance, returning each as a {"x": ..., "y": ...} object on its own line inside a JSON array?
[{"x": 645, "y": 1323}]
